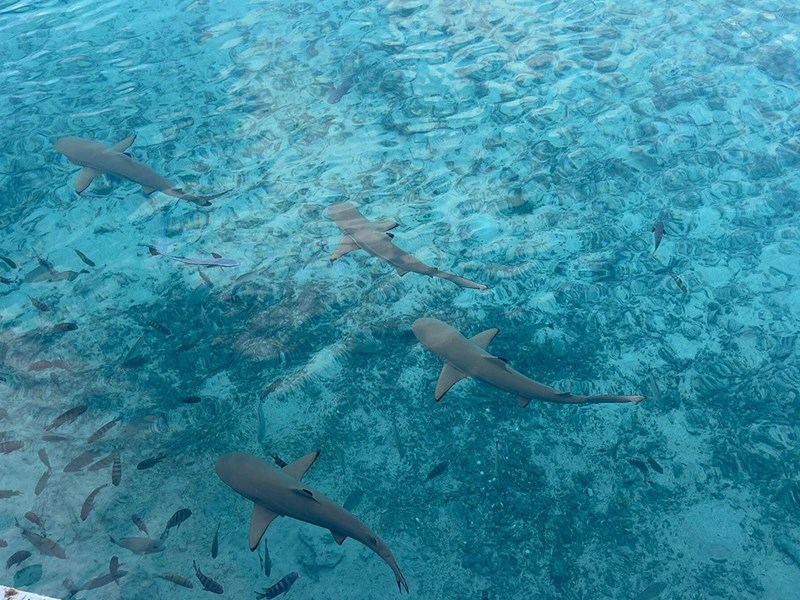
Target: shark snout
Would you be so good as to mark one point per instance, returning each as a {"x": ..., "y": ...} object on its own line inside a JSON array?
[{"x": 429, "y": 331}]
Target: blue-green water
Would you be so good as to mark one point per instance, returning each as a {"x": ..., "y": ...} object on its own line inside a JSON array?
[{"x": 528, "y": 146}]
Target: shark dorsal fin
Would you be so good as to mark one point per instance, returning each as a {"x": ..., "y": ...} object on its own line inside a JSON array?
[
  {"x": 447, "y": 379},
  {"x": 84, "y": 179},
  {"x": 338, "y": 537},
  {"x": 299, "y": 467},
  {"x": 124, "y": 144},
  {"x": 259, "y": 521},
  {"x": 345, "y": 246},
  {"x": 384, "y": 225},
  {"x": 215, "y": 255},
  {"x": 484, "y": 337}
]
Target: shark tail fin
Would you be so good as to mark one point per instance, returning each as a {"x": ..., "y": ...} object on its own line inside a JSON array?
[{"x": 447, "y": 379}]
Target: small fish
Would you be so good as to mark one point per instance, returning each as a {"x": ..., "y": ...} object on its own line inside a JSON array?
[
  {"x": 177, "y": 579},
  {"x": 98, "y": 582},
  {"x": 9, "y": 494},
  {"x": 680, "y": 283},
  {"x": 658, "y": 233},
  {"x": 41, "y": 365},
  {"x": 17, "y": 558},
  {"x": 655, "y": 466},
  {"x": 137, "y": 520},
  {"x": 61, "y": 328},
  {"x": 175, "y": 520},
  {"x": 654, "y": 391},
  {"x": 67, "y": 417},
  {"x": 116, "y": 470},
  {"x": 635, "y": 462},
  {"x": 43, "y": 544},
  {"x": 85, "y": 258},
  {"x": 206, "y": 279},
  {"x": 83, "y": 459},
  {"x": 279, "y": 461},
  {"x": 34, "y": 518},
  {"x": 9, "y": 262},
  {"x": 88, "y": 504},
  {"x": 113, "y": 564},
  {"x": 42, "y": 483},
  {"x": 39, "y": 305},
  {"x": 102, "y": 431},
  {"x": 134, "y": 362},
  {"x": 103, "y": 462},
  {"x": 191, "y": 399},
  {"x": 140, "y": 545},
  {"x": 437, "y": 470},
  {"x": 266, "y": 564},
  {"x": 353, "y": 500},
  {"x": 208, "y": 584},
  {"x": 396, "y": 441},
  {"x": 44, "y": 458},
  {"x": 9, "y": 447},
  {"x": 45, "y": 264},
  {"x": 215, "y": 543},
  {"x": 159, "y": 327},
  {"x": 52, "y": 437},
  {"x": 281, "y": 587},
  {"x": 150, "y": 462}
]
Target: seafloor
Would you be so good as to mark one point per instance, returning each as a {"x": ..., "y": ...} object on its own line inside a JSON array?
[{"x": 529, "y": 146}]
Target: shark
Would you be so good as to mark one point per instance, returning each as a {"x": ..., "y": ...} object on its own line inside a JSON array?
[
  {"x": 280, "y": 492},
  {"x": 373, "y": 237},
  {"x": 469, "y": 358},
  {"x": 96, "y": 159}
]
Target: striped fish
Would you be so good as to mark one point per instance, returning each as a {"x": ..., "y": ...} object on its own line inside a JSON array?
[
  {"x": 177, "y": 579},
  {"x": 116, "y": 470},
  {"x": 137, "y": 520},
  {"x": 83, "y": 459},
  {"x": 175, "y": 520},
  {"x": 88, "y": 504},
  {"x": 67, "y": 417},
  {"x": 102, "y": 431},
  {"x": 679, "y": 283},
  {"x": 208, "y": 584},
  {"x": 103, "y": 462},
  {"x": 281, "y": 587},
  {"x": 39, "y": 305}
]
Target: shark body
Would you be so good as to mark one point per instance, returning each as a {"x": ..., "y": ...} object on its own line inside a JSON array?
[
  {"x": 469, "y": 358},
  {"x": 374, "y": 239},
  {"x": 280, "y": 492},
  {"x": 97, "y": 159}
]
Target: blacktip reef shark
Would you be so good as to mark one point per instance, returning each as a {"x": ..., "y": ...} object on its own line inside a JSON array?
[
  {"x": 373, "y": 238},
  {"x": 216, "y": 260},
  {"x": 96, "y": 159},
  {"x": 280, "y": 492},
  {"x": 468, "y": 358}
]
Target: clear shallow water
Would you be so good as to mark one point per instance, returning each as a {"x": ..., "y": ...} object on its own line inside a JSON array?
[{"x": 530, "y": 148}]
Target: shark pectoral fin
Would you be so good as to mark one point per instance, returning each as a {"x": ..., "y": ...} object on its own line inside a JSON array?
[
  {"x": 299, "y": 467},
  {"x": 305, "y": 492},
  {"x": 85, "y": 177},
  {"x": 484, "y": 337},
  {"x": 338, "y": 537},
  {"x": 347, "y": 245},
  {"x": 447, "y": 379},
  {"x": 124, "y": 144},
  {"x": 148, "y": 190},
  {"x": 384, "y": 225},
  {"x": 259, "y": 521},
  {"x": 523, "y": 402}
]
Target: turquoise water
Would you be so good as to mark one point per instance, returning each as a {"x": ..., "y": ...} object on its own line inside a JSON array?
[{"x": 528, "y": 146}]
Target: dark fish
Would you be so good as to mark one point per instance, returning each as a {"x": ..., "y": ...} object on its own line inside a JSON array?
[
  {"x": 103, "y": 462},
  {"x": 113, "y": 564},
  {"x": 9, "y": 447},
  {"x": 9, "y": 494},
  {"x": 84, "y": 258},
  {"x": 658, "y": 233},
  {"x": 437, "y": 470},
  {"x": 9, "y": 262},
  {"x": 113, "y": 576},
  {"x": 17, "y": 558},
  {"x": 279, "y": 588},
  {"x": 177, "y": 579},
  {"x": 137, "y": 520},
  {"x": 655, "y": 466},
  {"x": 88, "y": 504},
  {"x": 208, "y": 584},
  {"x": 215, "y": 543},
  {"x": 83, "y": 459},
  {"x": 175, "y": 520},
  {"x": 67, "y": 417},
  {"x": 3, "y": 543},
  {"x": 40, "y": 305},
  {"x": 54, "y": 438},
  {"x": 102, "y": 431},
  {"x": 34, "y": 518},
  {"x": 43, "y": 457},
  {"x": 267, "y": 562},
  {"x": 40, "y": 485},
  {"x": 191, "y": 399},
  {"x": 158, "y": 327},
  {"x": 116, "y": 470},
  {"x": 140, "y": 545},
  {"x": 279, "y": 461},
  {"x": 680, "y": 283},
  {"x": 150, "y": 462},
  {"x": 353, "y": 499},
  {"x": 61, "y": 328},
  {"x": 43, "y": 544},
  {"x": 635, "y": 462},
  {"x": 134, "y": 362},
  {"x": 206, "y": 279},
  {"x": 41, "y": 365}
]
